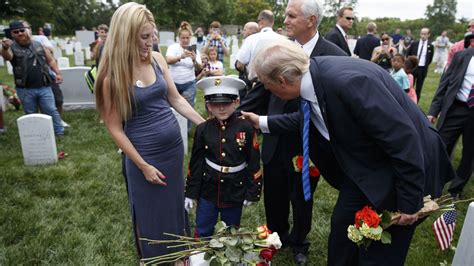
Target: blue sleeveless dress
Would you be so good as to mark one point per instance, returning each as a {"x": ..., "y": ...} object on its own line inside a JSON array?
[{"x": 155, "y": 134}]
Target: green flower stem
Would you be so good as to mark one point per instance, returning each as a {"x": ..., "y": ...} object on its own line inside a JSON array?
[{"x": 461, "y": 201}]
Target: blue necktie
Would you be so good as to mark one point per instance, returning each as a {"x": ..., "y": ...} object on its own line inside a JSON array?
[
  {"x": 305, "y": 170},
  {"x": 470, "y": 98}
]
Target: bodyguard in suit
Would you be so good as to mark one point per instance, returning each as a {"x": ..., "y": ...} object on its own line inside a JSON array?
[
  {"x": 387, "y": 155},
  {"x": 338, "y": 34},
  {"x": 365, "y": 45},
  {"x": 424, "y": 51},
  {"x": 282, "y": 185},
  {"x": 450, "y": 103}
]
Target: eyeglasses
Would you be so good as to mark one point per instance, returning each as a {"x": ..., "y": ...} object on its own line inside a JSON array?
[
  {"x": 350, "y": 18},
  {"x": 18, "y": 31}
]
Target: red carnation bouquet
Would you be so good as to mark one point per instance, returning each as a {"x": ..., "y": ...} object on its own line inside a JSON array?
[
  {"x": 298, "y": 166},
  {"x": 369, "y": 225}
]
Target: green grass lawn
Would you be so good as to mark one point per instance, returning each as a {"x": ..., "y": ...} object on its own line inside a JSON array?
[{"x": 76, "y": 211}]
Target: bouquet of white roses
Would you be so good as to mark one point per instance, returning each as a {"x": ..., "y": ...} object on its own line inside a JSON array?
[{"x": 229, "y": 246}]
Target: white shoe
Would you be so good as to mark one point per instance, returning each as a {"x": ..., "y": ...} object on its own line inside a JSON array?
[
  {"x": 65, "y": 124},
  {"x": 3, "y": 130}
]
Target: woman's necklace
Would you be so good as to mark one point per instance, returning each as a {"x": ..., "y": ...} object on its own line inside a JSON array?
[{"x": 139, "y": 83}]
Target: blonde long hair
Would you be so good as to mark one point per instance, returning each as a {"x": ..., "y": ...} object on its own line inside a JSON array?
[{"x": 120, "y": 56}]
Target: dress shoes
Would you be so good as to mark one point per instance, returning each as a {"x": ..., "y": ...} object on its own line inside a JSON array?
[{"x": 300, "y": 259}]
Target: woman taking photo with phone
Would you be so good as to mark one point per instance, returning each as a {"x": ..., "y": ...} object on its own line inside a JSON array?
[
  {"x": 382, "y": 55},
  {"x": 183, "y": 59}
]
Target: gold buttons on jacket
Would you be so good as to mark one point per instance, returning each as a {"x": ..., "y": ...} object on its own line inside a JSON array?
[
  {"x": 206, "y": 147},
  {"x": 223, "y": 128},
  {"x": 223, "y": 140},
  {"x": 222, "y": 180},
  {"x": 223, "y": 154}
]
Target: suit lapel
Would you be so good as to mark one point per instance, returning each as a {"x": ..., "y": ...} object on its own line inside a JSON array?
[{"x": 318, "y": 89}]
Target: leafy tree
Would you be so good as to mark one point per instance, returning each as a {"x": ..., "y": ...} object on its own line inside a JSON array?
[
  {"x": 440, "y": 15},
  {"x": 248, "y": 10},
  {"x": 332, "y": 6}
]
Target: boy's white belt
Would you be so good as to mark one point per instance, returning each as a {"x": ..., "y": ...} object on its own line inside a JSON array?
[{"x": 226, "y": 169}]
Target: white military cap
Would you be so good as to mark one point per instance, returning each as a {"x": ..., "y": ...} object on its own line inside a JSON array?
[{"x": 220, "y": 89}]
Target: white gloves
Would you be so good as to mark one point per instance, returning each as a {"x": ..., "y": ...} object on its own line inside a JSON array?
[
  {"x": 188, "y": 204},
  {"x": 248, "y": 203}
]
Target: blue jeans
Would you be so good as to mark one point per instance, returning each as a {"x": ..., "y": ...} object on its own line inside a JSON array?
[
  {"x": 188, "y": 91},
  {"x": 206, "y": 217},
  {"x": 41, "y": 97}
]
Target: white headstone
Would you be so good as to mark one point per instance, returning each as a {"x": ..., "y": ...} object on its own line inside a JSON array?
[
  {"x": 166, "y": 38},
  {"x": 464, "y": 254},
  {"x": 9, "y": 68},
  {"x": 77, "y": 46},
  {"x": 3, "y": 103},
  {"x": 62, "y": 43},
  {"x": 63, "y": 62},
  {"x": 2, "y": 61},
  {"x": 75, "y": 91},
  {"x": 69, "y": 49},
  {"x": 183, "y": 125},
  {"x": 85, "y": 37},
  {"x": 79, "y": 58},
  {"x": 233, "y": 58},
  {"x": 37, "y": 139},
  {"x": 87, "y": 53},
  {"x": 57, "y": 52}
]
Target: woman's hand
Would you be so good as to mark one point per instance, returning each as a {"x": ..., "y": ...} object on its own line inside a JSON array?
[{"x": 153, "y": 176}]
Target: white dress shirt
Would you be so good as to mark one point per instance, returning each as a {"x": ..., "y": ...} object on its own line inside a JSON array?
[
  {"x": 309, "y": 46},
  {"x": 422, "y": 57},
  {"x": 467, "y": 83}
]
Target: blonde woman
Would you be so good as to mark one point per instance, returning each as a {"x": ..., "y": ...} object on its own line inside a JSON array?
[{"x": 134, "y": 93}]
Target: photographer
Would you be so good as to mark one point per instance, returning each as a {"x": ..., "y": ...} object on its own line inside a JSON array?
[
  {"x": 384, "y": 53},
  {"x": 31, "y": 62},
  {"x": 183, "y": 59},
  {"x": 215, "y": 39}
]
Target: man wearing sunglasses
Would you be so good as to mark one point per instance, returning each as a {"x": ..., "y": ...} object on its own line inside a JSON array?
[
  {"x": 338, "y": 34},
  {"x": 30, "y": 61}
]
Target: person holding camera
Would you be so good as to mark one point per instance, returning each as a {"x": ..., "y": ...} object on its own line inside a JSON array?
[
  {"x": 31, "y": 62},
  {"x": 384, "y": 53},
  {"x": 183, "y": 59},
  {"x": 215, "y": 39}
]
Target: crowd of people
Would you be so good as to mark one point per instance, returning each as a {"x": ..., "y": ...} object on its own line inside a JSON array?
[{"x": 285, "y": 81}]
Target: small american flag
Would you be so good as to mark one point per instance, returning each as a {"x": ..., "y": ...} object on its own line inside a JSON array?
[{"x": 443, "y": 229}]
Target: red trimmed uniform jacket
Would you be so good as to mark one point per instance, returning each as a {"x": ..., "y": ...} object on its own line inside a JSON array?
[{"x": 227, "y": 145}]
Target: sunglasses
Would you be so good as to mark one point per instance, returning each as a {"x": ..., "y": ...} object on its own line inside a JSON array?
[
  {"x": 385, "y": 39},
  {"x": 350, "y": 18},
  {"x": 18, "y": 31}
]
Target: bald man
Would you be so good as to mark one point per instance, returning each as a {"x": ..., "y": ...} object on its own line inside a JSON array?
[{"x": 249, "y": 29}]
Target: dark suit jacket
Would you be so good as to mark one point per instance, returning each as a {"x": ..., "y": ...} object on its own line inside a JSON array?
[
  {"x": 365, "y": 46},
  {"x": 335, "y": 36},
  {"x": 380, "y": 138},
  {"x": 263, "y": 102},
  {"x": 450, "y": 84},
  {"x": 413, "y": 50}
]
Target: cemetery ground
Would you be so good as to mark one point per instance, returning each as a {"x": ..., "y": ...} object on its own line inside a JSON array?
[{"x": 76, "y": 211}]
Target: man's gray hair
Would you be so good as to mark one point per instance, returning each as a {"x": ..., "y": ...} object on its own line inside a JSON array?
[{"x": 312, "y": 8}]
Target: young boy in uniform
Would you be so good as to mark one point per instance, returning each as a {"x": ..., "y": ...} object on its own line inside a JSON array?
[{"x": 224, "y": 170}]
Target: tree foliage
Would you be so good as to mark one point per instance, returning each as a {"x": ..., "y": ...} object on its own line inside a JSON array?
[{"x": 441, "y": 14}]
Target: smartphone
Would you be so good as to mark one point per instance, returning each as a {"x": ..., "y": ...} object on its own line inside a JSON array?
[
  {"x": 191, "y": 48},
  {"x": 8, "y": 33}
]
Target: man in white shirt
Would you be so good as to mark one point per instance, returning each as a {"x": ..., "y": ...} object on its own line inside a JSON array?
[{"x": 424, "y": 51}]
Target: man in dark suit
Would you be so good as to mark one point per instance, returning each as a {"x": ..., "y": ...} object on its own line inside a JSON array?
[
  {"x": 282, "y": 185},
  {"x": 455, "y": 116},
  {"x": 365, "y": 45},
  {"x": 338, "y": 34},
  {"x": 424, "y": 51},
  {"x": 387, "y": 155}
]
